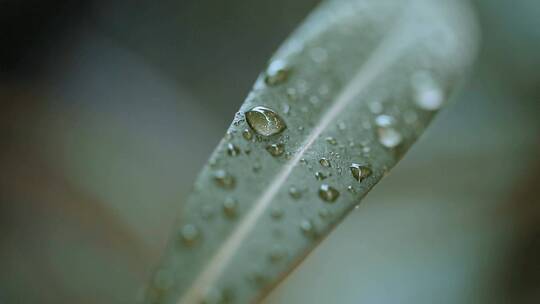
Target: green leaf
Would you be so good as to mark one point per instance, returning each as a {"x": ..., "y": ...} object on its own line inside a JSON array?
[{"x": 339, "y": 104}]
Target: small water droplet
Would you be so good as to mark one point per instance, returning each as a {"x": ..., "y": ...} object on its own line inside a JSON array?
[
  {"x": 389, "y": 137},
  {"x": 230, "y": 206},
  {"x": 320, "y": 175},
  {"x": 324, "y": 162},
  {"x": 228, "y": 135},
  {"x": 190, "y": 234},
  {"x": 247, "y": 134},
  {"x": 265, "y": 121},
  {"x": 232, "y": 150},
  {"x": 376, "y": 107},
  {"x": 428, "y": 94},
  {"x": 256, "y": 167},
  {"x": 306, "y": 226},
  {"x": 291, "y": 94},
  {"x": 277, "y": 72},
  {"x": 286, "y": 108},
  {"x": 331, "y": 140},
  {"x": 224, "y": 179},
  {"x": 328, "y": 193},
  {"x": 351, "y": 189},
  {"x": 324, "y": 213},
  {"x": 303, "y": 161},
  {"x": 295, "y": 192},
  {"x": 410, "y": 117},
  {"x": 276, "y": 213},
  {"x": 384, "y": 121},
  {"x": 277, "y": 253},
  {"x": 314, "y": 100},
  {"x": 342, "y": 126},
  {"x": 275, "y": 149},
  {"x": 360, "y": 172}
]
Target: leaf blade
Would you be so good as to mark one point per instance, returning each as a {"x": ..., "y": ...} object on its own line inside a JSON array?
[{"x": 233, "y": 249}]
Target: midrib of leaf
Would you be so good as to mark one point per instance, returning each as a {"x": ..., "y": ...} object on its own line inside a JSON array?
[{"x": 389, "y": 50}]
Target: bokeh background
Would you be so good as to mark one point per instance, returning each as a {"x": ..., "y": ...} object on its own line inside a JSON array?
[{"x": 108, "y": 110}]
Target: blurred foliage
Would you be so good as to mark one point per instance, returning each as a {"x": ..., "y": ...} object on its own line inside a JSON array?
[{"x": 99, "y": 103}]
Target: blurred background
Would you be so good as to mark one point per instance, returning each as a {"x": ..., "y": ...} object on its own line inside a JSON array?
[{"x": 108, "y": 110}]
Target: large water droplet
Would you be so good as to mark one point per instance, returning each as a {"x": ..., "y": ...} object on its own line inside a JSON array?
[
  {"x": 224, "y": 179},
  {"x": 324, "y": 162},
  {"x": 360, "y": 172},
  {"x": 277, "y": 72},
  {"x": 276, "y": 149},
  {"x": 265, "y": 121},
  {"x": 190, "y": 234},
  {"x": 230, "y": 206},
  {"x": 232, "y": 150},
  {"x": 428, "y": 94},
  {"x": 328, "y": 193}
]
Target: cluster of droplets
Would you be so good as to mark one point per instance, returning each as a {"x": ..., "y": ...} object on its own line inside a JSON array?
[{"x": 265, "y": 122}]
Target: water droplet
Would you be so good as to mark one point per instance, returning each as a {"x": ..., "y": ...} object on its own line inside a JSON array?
[
  {"x": 257, "y": 167},
  {"x": 389, "y": 137},
  {"x": 265, "y": 121},
  {"x": 328, "y": 193},
  {"x": 232, "y": 150},
  {"x": 351, "y": 189},
  {"x": 324, "y": 162},
  {"x": 277, "y": 253},
  {"x": 410, "y": 117},
  {"x": 331, "y": 140},
  {"x": 276, "y": 213},
  {"x": 384, "y": 121},
  {"x": 306, "y": 226},
  {"x": 247, "y": 134},
  {"x": 314, "y": 100},
  {"x": 320, "y": 175},
  {"x": 275, "y": 149},
  {"x": 295, "y": 192},
  {"x": 360, "y": 172},
  {"x": 291, "y": 94},
  {"x": 228, "y": 135},
  {"x": 224, "y": 179},
  {"x": 342, "y": 126},
  {"x": 303, "y": 161},
  {"x": 230, "y": 206},
  {"x": 428, "y": 94},
  {"x": 190, "y": 234},
  {"x": 324, "y": 213},
  {"x": 286, "y": 108},
  {"x": 277, "y": 73},
  {"x": 376, "y": 107}
]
